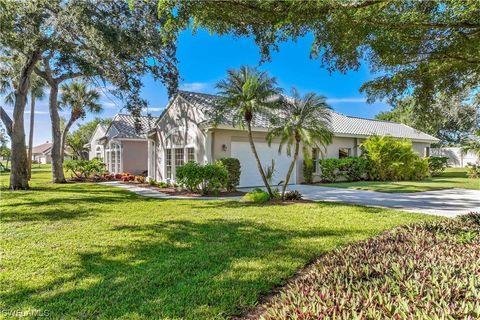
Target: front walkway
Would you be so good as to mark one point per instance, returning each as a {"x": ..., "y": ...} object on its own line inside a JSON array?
[
  {"x": 147, "y": 192},
  {"x": 447, "y": 203}
]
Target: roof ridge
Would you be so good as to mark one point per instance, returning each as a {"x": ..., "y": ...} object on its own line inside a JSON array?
[
  {"x": 199, "y": 93},
  {"x": 129, "y": 115}
]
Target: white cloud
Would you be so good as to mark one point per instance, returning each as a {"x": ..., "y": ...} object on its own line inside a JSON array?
[
  {"x": 347, "y": 100},
  {"x": 195, "y": 86}
]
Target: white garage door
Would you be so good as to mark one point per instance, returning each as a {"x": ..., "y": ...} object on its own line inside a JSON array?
[{"x": 250, "y": 177}]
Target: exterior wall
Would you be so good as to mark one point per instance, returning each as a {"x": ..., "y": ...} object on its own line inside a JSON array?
[
  {"x": 456, "y": 158},
  {"x": 134, "y": 156},
  {"x": 419, "y": 148},
  {"x": 179, "y": 127},
  {"x": 41, "y": 158}
]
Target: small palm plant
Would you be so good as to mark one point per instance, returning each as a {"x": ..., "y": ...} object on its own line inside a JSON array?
[
  {"x": 245, "y": 93},
  {"x": 80, "y": 99},
  {"x": 473, "y": 145},
  {"x": 302, "y": 121}
]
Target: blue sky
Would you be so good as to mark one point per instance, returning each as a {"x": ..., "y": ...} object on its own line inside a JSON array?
[{"x": 204, "y": 59}]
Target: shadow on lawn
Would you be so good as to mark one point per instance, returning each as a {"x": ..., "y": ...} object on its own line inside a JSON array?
[{"x": 177, "y": 269}]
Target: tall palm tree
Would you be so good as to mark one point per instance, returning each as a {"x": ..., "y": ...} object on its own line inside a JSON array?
[
  {"x": 37, "y": 91},
  {"x": 80, "y": 99},
  {"x": 245, "y": 93},
  {"x": 304, "y": 121}
]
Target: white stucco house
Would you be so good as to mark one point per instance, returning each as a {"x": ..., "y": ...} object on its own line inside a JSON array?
[
  {"x": 185, "y": 132},
  {"x": 121, "y": 146},
  {"x": 42, "y": 153}
]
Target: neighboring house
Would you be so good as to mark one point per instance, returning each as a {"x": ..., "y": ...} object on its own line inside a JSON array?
[
  {"x": 122, "y": 147},
  {"x": 456, "y": 158},
  {"x": 95, "y": 149},
  {"x": 185, "y": 132},
  {"x": 42, "y": 153}
]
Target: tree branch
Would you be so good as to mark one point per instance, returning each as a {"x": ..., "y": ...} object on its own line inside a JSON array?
[{"x": 7, "y": 121}]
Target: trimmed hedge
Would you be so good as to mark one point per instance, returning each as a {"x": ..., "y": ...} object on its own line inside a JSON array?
[
  {"x": 350, "y": 168},
  {"x": 210, "y": 178},
  {"x": 422, "y": 271},
  {"x": 234, "y": 170}
]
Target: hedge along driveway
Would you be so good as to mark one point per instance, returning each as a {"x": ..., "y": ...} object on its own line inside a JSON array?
[{"x": 89, "y": 251}]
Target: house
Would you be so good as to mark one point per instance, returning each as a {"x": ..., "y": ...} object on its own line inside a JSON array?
[
  {"x": 122, "y": 147},
  {"x": 42, "y": 153},
  {"x": 185, "y": 132}
]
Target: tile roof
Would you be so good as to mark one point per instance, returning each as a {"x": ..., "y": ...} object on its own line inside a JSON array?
[
  {"x": 42, "y": 148},
  {"x": 125, "y": 125},
  {"x": 342, "y": 125}
]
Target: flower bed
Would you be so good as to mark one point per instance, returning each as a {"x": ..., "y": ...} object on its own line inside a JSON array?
[{"x": 423, "y": 271}]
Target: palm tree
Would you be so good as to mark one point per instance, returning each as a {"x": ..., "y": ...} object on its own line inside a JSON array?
[
  {"x": 302, "y": 120},
  {"x": 37, "y": 91},
  {"x": 243, "y": 94},
  {"x": 80, "y": 99},
  {"x": 473, "y": 145}
]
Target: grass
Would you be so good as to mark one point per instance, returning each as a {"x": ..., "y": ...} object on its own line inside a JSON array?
[
  {"x": 451, "y": 178},
  {"x": 89, "y": 251}
]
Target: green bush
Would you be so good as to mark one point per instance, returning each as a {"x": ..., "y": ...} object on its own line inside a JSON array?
[
  {"x": 256, "y": 196},
  {"x": 421, "y": 271},
  {"x": 190, "y": 175},
  {"x": 293, "y": 195},
  {"x": 393, "y": 159},
  {"x": 210, "y": 178},
  {"x": 215, "y": 178},
  {"x": 84, "y": 169},
  {"x": 329, "y": 169},
  {"x": 308, "y": 171},
  {"x": 353, "y": 168},
  {"x": 473, "y": 170},
  {"x": 234, "y": 169},
  {"x": 437, "y": 165}
]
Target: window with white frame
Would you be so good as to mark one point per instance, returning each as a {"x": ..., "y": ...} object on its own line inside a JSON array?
[
  {"x": 99, "y": 152},
  {"x": 179, "y": 157},
  {"x": 168, "y": 163},
  {"x": 114, "y": 160},
  {"x": 190, "y": 154},
  {"x": 315, "y": 159}
]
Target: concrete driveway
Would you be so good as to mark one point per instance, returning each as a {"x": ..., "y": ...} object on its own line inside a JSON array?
[{"x": 447, "y": 203}]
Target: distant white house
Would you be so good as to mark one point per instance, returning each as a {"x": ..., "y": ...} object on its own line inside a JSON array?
[
  {"x": 456, "y": 158},
  {"x": 42, "y": 153},
  {"x": 185, "y": 132},
  {"x": 120, "y": 145}
]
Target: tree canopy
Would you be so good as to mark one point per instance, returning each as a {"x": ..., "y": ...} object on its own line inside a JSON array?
[
  {"x": 452, "y": 119},
  {"x": 419, "y": 47},
  {"x": 77, "y": 139}
]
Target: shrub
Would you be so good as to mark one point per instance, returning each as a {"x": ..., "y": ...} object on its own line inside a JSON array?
[
  {"x": 437, "y": 165},
  {"x": 353, "y": 168},
  {"x": 234, "y": 169},
  {"x": 118, "y": 176},
  {"x": 256, "y": 196},
  {"x": 329, "y": 169},
  {"x": 152, "y": 182},
  {"x": 393, "y": 159},
  {"x": 162, "y": 184},
  {"x": 422, "y": 271},
  {"x": 308, "y": 171},
  {"x": 140, "y": 179},
  {"x": 85, "y": 168},
  {"x": 293, "y": 195},
  {"x": 471, "y": 217},
  {"x": 473, "y": 170},
  {"x": 210, "y": 178},
  {"x": 215, "y": 178},
  {"x": 190, "y": 175}
]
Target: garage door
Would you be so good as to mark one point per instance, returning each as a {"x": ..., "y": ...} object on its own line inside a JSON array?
[{"x": 250, "y": 177}]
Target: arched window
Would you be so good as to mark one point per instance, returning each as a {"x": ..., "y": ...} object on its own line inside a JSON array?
[{"x": 99, "y": 152}]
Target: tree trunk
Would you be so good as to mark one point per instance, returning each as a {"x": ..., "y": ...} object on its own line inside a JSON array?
[
  {"x": 30, "y": 134},
  {"x": 7, "y": 122},
  {"x": 290, "y": 168},
  {"x": 65, "y": 133},
  {"x": 19, "y": 170},
  {"x": 259, "y": 164},
  {"x": 57, "y": 163}
]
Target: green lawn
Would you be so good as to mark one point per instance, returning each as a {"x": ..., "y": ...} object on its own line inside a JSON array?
[
  {"x": 88, "y": 251},
  {"x": 451, "y": 178}
]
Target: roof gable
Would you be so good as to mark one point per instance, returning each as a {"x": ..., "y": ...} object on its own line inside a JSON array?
[{"x": 123, "y": 126}]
